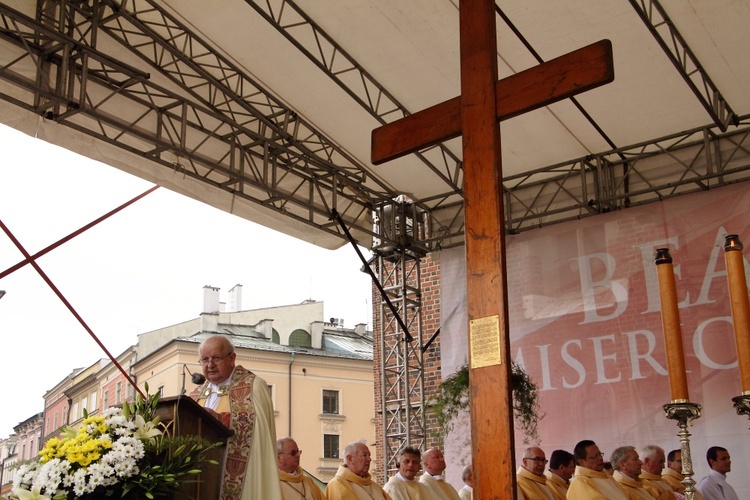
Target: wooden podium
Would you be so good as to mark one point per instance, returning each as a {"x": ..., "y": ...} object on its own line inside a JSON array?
[{"x": 185, "y": 417}]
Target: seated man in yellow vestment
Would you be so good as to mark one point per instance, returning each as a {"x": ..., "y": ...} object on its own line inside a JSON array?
[
  {"x": 295, "y": 485},
  {"x": 590, "y": 481},
  {"x": 353, "y": 481}
]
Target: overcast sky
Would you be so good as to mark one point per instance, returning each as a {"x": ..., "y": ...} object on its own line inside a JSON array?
[{"x": 142, "y": 269}]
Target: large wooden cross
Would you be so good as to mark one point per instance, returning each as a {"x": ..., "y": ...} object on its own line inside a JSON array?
[{"x": 475, "y": 115}]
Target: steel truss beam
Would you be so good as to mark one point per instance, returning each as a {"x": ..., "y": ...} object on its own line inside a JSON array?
[
  {"x": 204, "y": 119},
  {"x": 695, "y": 160},
  {"x": 334, "y": 61},
  {"x": 669, "y": 38}
]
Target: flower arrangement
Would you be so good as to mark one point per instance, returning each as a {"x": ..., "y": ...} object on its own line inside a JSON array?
[{"x": 123, "y": 452}]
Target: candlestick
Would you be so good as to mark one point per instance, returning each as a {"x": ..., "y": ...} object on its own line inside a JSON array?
[
  {"x": 683, "y": 413},
  {"x": 740, "y": 307},
  {"x": 670, "y": 319}
]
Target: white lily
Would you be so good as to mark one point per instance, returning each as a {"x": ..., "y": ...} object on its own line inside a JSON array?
[
  {"x": 145, "y": 430},
  {"x": 34, "y": 494}
]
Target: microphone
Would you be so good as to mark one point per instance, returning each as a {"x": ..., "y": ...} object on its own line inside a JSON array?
[{"x": 197, "y": 378}]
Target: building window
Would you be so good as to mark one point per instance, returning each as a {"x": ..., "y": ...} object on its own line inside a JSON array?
[
  {"x": 330, "y": 446},
  {"x": 75, "y": 411},
  {"x": 300, "y": 338},
  {"x": 92, "y": 402},
  {"x": 84, "y": 405},
  {"x": 272, "y": 393},
  {"x": 118, "y": 393},
  {"x": 275, "y": 337},
  {"x": 330, "y": 402},
  {"x": 55, "y": 428},
  {"x": 106, "y": 399}
]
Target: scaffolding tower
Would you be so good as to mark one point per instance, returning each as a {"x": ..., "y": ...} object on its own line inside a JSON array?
[{"x": 398, "y": 253}]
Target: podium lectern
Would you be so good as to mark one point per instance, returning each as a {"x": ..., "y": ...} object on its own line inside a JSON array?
[{"x": 185, "y": 417}]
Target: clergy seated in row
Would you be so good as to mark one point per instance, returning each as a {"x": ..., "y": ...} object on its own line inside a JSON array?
[
  {"x": 589, "y": 479},
  {"x": 561, "y": 467},
  {"x": 295, "y": 485},
  {"x": 672, "y": 474},
  {"x": 531, "y": 479},
  {"x": 353, "y": 481},
  {"x": 627, "y": 465},
  {"x": 653, "y": 463},
  {"x": 404, "y": 484}
]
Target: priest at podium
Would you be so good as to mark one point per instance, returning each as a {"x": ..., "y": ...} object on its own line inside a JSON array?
[{"x": 241, "y": 401}]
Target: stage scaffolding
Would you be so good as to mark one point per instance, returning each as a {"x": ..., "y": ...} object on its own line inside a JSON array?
[{"x": 398, "y": 269}]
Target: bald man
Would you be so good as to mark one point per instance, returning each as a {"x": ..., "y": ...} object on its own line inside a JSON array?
[{"x": 434, "y": 467}]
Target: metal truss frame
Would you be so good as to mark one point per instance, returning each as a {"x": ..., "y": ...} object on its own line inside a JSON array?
[
  {"x": 334, "y": 61},
  {"x": 204, "y": 118},
  {"x": 665, "y": 32},
  {"x": 691, "y": 161},
  {"x": 402, "y": 364}
]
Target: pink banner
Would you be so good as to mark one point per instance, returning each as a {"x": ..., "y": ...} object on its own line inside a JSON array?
[{"x": 586, "y": 324}]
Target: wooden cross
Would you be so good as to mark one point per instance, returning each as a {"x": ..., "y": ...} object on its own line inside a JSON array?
[{"x": 475, "y": 115}]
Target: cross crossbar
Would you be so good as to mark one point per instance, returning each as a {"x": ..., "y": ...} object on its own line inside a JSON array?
[{"x": 565, "y": 76}]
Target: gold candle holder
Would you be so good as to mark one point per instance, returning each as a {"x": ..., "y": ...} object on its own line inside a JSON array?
[{"x": 684, "y": 413}]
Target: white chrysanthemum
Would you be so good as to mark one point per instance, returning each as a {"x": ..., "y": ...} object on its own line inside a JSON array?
[
  {"x": 50, "y": 476},
  {"x": 99, "y": 472},
  {"x": 126, "y": 468},
  {"x": 79, "y": 481}
]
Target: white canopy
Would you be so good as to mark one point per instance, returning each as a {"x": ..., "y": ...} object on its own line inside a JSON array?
[{"x": 265, "y": 109}]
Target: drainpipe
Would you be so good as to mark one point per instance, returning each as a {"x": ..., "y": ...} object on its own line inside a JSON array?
[{"x": 291, "y": 362}]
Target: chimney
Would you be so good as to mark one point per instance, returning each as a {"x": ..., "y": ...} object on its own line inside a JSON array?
[
  {"x": 235, "y": 298},
  {"x": 210, "y": 314}
]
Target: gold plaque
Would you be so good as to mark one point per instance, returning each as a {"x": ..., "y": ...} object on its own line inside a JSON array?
[{"x": 484, "y": 337}]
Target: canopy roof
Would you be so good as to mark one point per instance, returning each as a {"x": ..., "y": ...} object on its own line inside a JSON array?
[{"x": 265, "y": 108}]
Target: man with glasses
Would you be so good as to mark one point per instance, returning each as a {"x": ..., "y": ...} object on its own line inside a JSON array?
[
  {"x": 242, "y": 401},
  {"x": 672, "y": 474},
  {"x": 590, "y": 482},
  {"x": 530, "y": 476},
  {"x": 295, "y": 485}
]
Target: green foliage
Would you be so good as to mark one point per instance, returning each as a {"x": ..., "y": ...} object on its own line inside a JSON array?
[
  {"x": 453, "y": 398},
  {"x": 172, "y": 462}
]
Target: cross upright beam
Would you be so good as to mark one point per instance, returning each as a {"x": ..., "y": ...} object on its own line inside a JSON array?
[{"x": 475, "y": 116}]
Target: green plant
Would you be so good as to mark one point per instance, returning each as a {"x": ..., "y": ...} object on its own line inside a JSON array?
[{"x": 453, "y": 398}]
